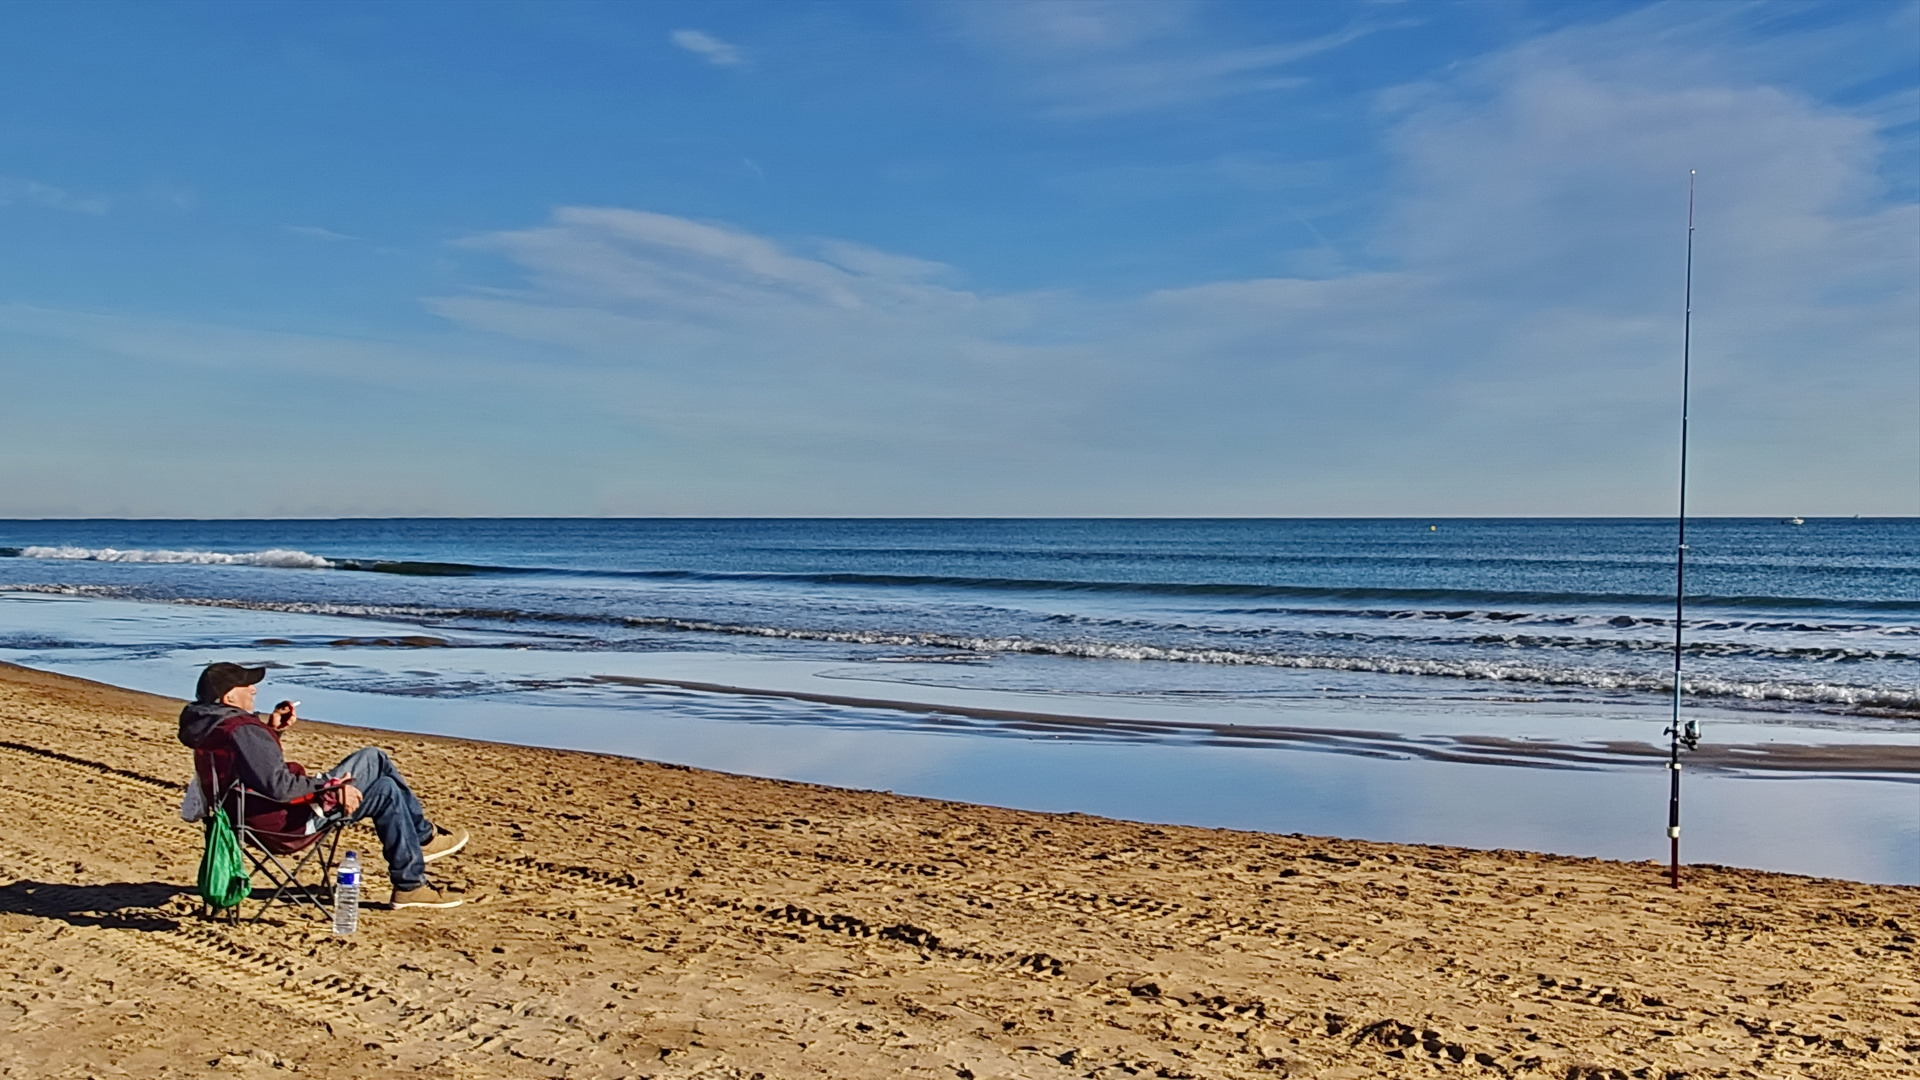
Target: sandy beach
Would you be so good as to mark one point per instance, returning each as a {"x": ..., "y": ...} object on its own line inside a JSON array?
[{"x": 634, "y": 919}]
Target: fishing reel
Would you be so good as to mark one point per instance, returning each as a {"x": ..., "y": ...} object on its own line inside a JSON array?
[{"x": 1688, "y": 735}]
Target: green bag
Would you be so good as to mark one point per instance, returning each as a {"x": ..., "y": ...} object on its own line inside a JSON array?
[{"x": 224, "y": 880}]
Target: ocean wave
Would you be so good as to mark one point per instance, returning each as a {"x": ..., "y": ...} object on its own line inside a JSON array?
[
  {"x": 1658, "y": 562},
  {"x": 404, "y": 612},
  {"x": 1563, "y": 642},
  {"x": 277, "y": 557},
  {"x": 1819, "y": 654},
  {"x": 1482, "y": 670},
  {"x": 416, "y": 568},
  {"x": 1466, "y": 600},
  {"x": 1592, "y": 620}
]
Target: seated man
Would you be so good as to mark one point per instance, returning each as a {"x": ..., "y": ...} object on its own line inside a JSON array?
[{"x": 231, "y": 740}]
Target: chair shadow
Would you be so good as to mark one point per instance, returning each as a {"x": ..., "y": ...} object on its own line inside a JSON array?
[{"x": 121, "y": 905}]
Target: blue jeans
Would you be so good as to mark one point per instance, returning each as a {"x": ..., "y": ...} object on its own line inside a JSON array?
[{"x": 396, "y": 813}]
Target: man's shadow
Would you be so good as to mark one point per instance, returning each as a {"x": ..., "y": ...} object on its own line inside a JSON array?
[{"x": 122, "y": 905}]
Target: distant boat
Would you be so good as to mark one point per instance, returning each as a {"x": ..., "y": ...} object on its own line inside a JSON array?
[{"x": 1793, "y": 521}]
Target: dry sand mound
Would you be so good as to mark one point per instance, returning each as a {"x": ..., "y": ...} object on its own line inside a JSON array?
[{"x": 641, "y": 920}]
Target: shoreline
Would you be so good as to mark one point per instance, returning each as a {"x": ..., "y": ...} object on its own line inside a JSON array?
[
  {"x": 1518, "y": 775},
  {"x": 629, "y": 918}
]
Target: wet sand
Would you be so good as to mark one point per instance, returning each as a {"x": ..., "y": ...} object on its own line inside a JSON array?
[
  {"x": 634, "y": 919},
  {"x": 1880, "y": 760}
]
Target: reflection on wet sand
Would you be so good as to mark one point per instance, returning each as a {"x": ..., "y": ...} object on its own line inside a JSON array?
[{"x": 1891, "y": 762}]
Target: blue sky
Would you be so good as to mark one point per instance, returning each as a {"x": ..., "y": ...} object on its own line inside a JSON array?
[{"x": 977, "y": 258}]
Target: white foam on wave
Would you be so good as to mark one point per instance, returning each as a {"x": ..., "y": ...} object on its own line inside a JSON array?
[
  {"x": 1782, "y": 691},
  {"x": 276, "y": 557}
]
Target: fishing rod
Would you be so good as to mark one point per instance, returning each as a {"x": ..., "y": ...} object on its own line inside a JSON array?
[{"x": 1689, "y": 736}]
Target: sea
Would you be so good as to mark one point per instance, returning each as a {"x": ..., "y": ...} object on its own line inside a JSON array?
[{"x": 1492, "y": 683}]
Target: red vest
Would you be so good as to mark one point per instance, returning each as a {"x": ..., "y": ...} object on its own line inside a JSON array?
[{"x": 218, "y": 764}]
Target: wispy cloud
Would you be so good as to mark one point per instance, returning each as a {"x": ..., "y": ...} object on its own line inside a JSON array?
[
  {"x": 632, "y": 257},
  {"x": 14, "y": 190},
  {"x": 1052, "y": 28},
  {"x": 315, "y": 232},
  {"x": 855, "y": 368},
  {"x": 712, "y": 49},
  {"x": 1088, "y": 58}
]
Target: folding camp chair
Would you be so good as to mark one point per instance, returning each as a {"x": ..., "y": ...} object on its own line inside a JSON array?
[{"x": 297, "y": 866}]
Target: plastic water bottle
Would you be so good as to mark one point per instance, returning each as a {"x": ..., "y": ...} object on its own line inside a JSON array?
[{"x": 346, "y": 895}]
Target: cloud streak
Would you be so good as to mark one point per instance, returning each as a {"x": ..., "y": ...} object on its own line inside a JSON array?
[
  {"x": 716, "y": 333},
  {"x": 1098, "y": 59},
  {"x": 315, "y": 232},
  {"x": 16, "y": 191},
  {"x": 708, "y": 48}
]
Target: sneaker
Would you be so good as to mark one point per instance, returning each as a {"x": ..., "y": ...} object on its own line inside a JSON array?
[
  {"x": 422, "y": 896},
  {"x": 444, "y": 843}
]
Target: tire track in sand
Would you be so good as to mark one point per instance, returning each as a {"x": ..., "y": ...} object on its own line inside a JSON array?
[
  {"x": 626, "y": 889},
  {"x": 162, "y": 943}
]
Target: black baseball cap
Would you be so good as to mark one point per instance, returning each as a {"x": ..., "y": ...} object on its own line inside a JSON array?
[{"x": 219, "y": 678}]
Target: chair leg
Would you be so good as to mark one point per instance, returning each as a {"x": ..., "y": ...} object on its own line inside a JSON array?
[
  {"x": 315, "y": 895},
  {"x": 266, "y": 865},
  {"x": 287, "y": 887}
]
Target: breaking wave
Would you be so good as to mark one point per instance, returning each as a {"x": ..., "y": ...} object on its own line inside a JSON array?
[
  {"x": 1816, "y": 693},
  {"x": 279, "y": 557}
]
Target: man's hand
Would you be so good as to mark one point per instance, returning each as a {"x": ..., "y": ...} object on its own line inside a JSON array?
[
  {"x": 350, "y": 799},
  {"x": 282, "y": 717}
]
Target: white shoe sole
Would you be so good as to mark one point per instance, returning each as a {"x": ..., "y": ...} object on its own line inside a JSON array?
[
  {"x": 450, "y": 851},
  {"x": 426, "y": 903}
]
